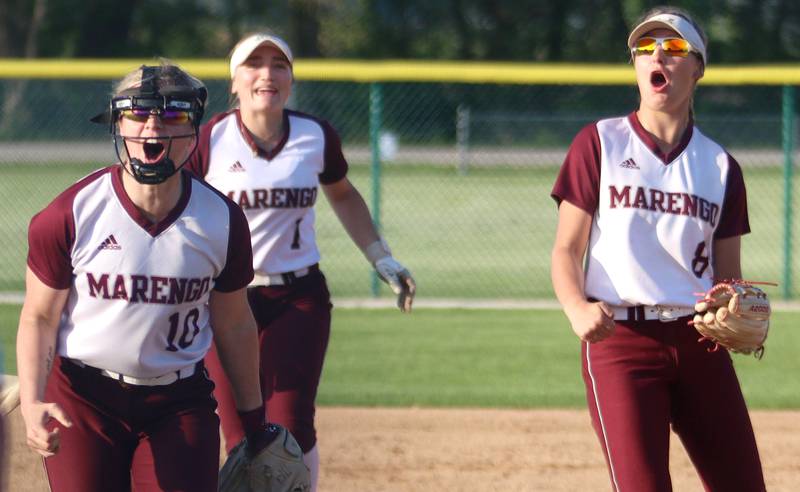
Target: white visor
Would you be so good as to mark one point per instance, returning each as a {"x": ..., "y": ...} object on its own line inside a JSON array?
[
  {"x": 676, "y": 23},
  {"x": 246, "y": 47}
]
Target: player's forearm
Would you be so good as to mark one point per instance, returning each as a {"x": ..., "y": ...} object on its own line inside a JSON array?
[
  {"x": 353, "y": 213},
  {"x": 36, "y": 341},
  {"x": 236, "y": 339},
  {"x": 36, "y": 336},
  {"x": 237, "y": 347},
  {"x": 727, "y": 258},
  {"x": 567, "y": 276}
]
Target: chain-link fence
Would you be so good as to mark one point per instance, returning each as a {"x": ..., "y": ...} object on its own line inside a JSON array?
[{"x": 463, "y": 186}]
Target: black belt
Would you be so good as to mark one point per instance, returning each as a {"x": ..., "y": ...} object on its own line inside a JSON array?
[
  {"x": 162, "y": 380},
  {"x": 285, "y": 278}
]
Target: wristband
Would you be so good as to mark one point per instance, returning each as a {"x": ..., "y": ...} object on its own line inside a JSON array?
[
  {"x": 253, "y": 420},
  {"x": 377, "y": 250}
]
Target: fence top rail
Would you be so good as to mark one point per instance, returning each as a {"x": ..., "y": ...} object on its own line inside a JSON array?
[{"x": 406, "y": 71}]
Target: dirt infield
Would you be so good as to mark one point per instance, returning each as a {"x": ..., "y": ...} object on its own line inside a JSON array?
[{"x": 418, "y": 450}]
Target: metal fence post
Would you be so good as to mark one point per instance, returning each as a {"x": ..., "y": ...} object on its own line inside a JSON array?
[
  {"x": 788, "y": 168},
  {"x": 462, "y": 137},
  {"x": 375, "y": 117}
]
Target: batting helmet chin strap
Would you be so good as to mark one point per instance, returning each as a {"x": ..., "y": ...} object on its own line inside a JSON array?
[{"x": 152, "y": 174}]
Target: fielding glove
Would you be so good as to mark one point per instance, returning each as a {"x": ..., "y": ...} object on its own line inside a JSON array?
[
  {"x": 266, "y": 461},
  {"x": 734, "y": 315}
]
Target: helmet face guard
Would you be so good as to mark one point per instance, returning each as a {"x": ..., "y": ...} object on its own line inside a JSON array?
[{"x": 172, "y": 95}]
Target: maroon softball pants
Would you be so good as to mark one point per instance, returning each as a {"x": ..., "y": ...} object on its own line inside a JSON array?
[
  {"x": 294, "y": 323},
  {"x": 649, "y": 375},
  {"x": 126, "y": 437}
]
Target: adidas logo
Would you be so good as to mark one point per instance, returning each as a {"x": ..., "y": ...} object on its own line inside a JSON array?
[
  {"x": 236, "y": 167},
  {"x": 629, "y": 164},
  {"x": 109, "y": 243}
]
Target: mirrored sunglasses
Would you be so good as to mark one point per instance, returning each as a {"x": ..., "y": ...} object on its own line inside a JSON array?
[
  {"x": 670, "y": 46},
  {"x": 168, "y": 116}
]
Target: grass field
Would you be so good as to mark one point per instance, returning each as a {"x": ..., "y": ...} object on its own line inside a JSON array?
[
  {"x": 486, "y": 358},
  {"x": 487, "y": 234}
]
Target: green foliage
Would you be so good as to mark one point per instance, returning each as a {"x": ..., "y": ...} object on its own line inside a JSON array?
[{"x": 527, "y": 30}]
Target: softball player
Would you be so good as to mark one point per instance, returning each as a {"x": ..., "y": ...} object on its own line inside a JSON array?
[
  {"x": 128, "y": 269},
  {"x": 272, "y": 161},
  {"x": 657, "y": 209}
]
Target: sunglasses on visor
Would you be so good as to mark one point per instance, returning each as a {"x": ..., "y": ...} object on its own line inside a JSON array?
[
  {"x": 670, "y": 46},
  {"x": 167, "y": 116}
]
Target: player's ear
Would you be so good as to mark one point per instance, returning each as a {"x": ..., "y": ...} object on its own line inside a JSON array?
[{"x": 699, "y": 71}]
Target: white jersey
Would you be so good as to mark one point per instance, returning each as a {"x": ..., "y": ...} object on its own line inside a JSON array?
[
  {"x": 655, "y": 216},
  {"x": 138, "y": 291},
  {"x": 277, "y": 190}
]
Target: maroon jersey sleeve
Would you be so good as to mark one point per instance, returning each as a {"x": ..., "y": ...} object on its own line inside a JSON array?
[
  {"x": 578, "y": 181},
  {"x": 733, "y": 220},
  {"x": 51, "y": 234},
  {"x": 335, "y": 165},
  {"x": 238, "y": 270},
  {"x": 198, "y": 160}
]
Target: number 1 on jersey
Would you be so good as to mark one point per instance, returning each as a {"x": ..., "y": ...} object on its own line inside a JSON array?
[{"x": 296, "y": 240}]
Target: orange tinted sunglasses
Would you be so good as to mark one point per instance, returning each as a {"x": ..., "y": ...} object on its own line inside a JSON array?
[
  {"x": 671, "y": 46},
  {"x": 169, "y": 117}
]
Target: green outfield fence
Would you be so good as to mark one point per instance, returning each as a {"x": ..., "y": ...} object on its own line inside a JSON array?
[{"x": 455, "y": 159}]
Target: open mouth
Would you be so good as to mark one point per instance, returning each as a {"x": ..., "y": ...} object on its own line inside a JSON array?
[
  {"x": 153, "y": 150},
  {"x": 658, "y": 80}
]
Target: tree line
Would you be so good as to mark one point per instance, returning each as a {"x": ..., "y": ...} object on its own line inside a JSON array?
[{"x": 740, "y": 31}]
